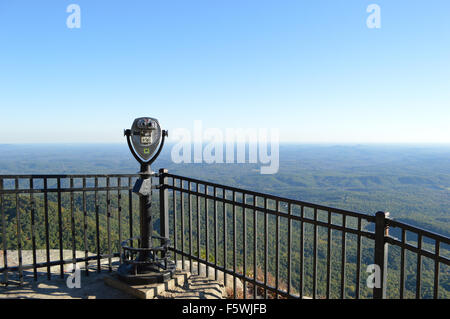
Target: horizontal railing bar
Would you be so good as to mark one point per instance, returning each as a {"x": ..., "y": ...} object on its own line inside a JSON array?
[
  {"x": 369, "y": 218},
  {"x": 276, "y": 213},
  {"x": 417, "y": 250},
  {"x": 52, "y": 176},
  {"x": 237, "y": 275},
  {"x": 59, "y": 262},
  {"x": 423, "y": 232},
  {"x": 63, "y": 190}
]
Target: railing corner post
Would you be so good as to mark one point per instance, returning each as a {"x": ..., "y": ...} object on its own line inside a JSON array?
[
  {"x": 381, "y": 252},
  {"x": 163, "y": 204}
]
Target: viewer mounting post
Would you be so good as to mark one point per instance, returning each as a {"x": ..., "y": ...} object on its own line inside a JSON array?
[{"x": 142, "y": 265}]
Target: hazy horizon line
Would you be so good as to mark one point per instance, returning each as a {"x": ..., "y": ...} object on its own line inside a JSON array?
[{"x": 281, "y": 143}]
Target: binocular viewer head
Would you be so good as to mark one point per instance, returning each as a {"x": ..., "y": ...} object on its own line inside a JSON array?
[{"x": 144, "y": 137}]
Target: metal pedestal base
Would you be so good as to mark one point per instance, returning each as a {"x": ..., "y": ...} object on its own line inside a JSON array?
[
  {"x": 148, "y": 275},
  {"x": 145, "y": 265}
]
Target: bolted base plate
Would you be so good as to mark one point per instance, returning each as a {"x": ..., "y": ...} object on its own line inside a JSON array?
[{"x": 127, "y": 274}]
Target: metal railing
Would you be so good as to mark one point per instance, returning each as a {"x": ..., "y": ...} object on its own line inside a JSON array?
[
  {"x": 69, "y": 207},
  {"x": 245, "y": 234},
  {"x": 269, "y": 246}
]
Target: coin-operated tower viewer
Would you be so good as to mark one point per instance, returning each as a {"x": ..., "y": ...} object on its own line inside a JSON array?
[{"x": 147, "y": 263}]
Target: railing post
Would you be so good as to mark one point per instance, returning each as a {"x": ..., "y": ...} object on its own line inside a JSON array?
[
  {"x": 381, "y": 252},
  {"x": 163, "y": 204}
]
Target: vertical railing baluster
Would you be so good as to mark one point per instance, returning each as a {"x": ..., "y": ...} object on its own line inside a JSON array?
[
  {"x": 198, "y": 227},
  {"x": 266, "y": 246},
  {"x": 277, "y": 249},
  {"x": 85, "y": 226},
  {"x": 343, "y": 258},
  {"x": 190, "y": 226},
  {"x": 329, "y": 235},
  {"x": 402, "y": 265},
  {"x": 255, "y": 246},
  {"x": 108, "y": 222},
  {"x": 289, "y": 244},
  {"x": 358, "y": 260},
  {"x": 4, "y": 239},
  {"x": 234, "y": 247},
  {"x": 436, "y": 270},
  {"x": 419, "y": 266},
  {"x": 33, "y": 229},
  {"x": 182, "y": 224},
  {"x": 19, "y": 231},
  {"x": 47, "y": 235},
  {"x": 315, "y": 256},
  {"x": 72, "y": 225},
  {"x": 302, "y": 239},
  {"x": 174, "y": 203},
  {"x": 207, "y": 232},
  {"x": 224, "y": 210},
  {"x": 130, "y": 208},
  {"x": 97, "y": 226},
  {"x": 60, "y": 229},
  {"x": 244, "y": 244},
  {"x": 215, "y": 232}
]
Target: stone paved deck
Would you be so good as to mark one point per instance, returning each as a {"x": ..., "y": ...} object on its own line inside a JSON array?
[{"x": 93, "y": 286}]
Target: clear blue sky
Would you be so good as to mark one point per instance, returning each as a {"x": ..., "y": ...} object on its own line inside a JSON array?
[{"x": 310, "y": 68}]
